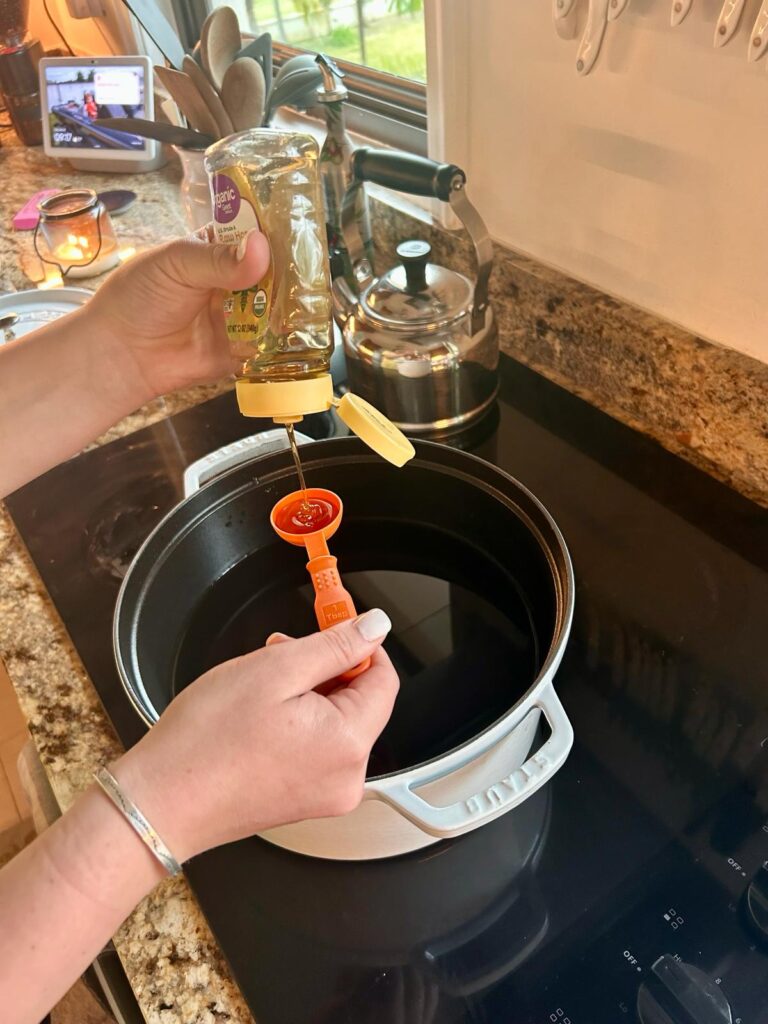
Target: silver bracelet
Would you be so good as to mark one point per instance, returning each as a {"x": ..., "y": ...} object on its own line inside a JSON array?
[{"x": 131, "y": 812}]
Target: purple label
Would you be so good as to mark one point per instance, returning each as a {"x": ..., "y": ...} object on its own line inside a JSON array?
[{"x": 226, "y": 199}]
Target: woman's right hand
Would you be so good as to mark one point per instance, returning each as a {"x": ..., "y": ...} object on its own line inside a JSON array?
[{"x": 251, "y": 744}]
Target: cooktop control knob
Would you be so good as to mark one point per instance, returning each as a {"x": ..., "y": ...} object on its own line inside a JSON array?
[
  {"x": 679, "y": 993},
  {"x": 757, "y": 902}
]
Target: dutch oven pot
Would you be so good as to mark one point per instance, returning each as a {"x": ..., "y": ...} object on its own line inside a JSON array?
[{"x": 447, "y": 514}]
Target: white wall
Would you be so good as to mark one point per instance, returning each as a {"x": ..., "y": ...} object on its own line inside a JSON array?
[{"x": 647, "y": 178}]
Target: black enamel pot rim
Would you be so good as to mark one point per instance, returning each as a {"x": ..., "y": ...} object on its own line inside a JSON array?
[{"x": 472, "y": 469}]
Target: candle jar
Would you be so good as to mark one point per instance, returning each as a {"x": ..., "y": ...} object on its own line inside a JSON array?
[{"x": 78, "y": 233}]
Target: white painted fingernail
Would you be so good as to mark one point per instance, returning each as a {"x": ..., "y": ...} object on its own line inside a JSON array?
[
  {"x": 373, "y": 625},
  {"x": 242, "y": 245}
]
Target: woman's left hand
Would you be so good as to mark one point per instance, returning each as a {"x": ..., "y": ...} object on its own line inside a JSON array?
[{"x": 163, "y": 309}]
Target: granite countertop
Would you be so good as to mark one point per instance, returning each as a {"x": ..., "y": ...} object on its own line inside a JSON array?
[{"x": 172, "y": 961}]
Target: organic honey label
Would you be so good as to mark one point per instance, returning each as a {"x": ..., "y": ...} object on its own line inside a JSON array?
[{"x": 235, "y": 212}]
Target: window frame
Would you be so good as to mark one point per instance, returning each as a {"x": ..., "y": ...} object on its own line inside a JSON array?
[{"x": 383, "y": 107}]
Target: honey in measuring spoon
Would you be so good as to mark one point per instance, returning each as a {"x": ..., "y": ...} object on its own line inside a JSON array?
[{"x": 306, "y": 514}]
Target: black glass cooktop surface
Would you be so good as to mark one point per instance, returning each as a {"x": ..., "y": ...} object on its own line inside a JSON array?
[{"x": 635, "y": 885}]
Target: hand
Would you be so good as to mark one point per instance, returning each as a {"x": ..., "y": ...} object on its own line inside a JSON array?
[
  {"x": 251, "y": 744},
  {"x": 163, "y": 309}
]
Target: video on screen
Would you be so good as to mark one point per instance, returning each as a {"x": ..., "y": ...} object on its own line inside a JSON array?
[{"x": 76, "y": 97}]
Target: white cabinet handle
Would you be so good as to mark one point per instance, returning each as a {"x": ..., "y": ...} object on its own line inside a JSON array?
[
  {"x": 561, "y": 8},
  {"x": 758, "y": 39},
  {"x": 589, "y": 48},
  {"x": 728, "y": 21},
  {"x": 615, "y": 8},
  {"x": 680, "y": 9}
]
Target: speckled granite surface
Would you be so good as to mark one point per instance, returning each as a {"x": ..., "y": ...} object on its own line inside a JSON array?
[
  {"x": 172, "y": 961},
  {"x": 699, "y": 400}
]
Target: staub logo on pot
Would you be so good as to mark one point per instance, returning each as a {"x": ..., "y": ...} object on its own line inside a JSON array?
[{"x": 500, "y": 793}]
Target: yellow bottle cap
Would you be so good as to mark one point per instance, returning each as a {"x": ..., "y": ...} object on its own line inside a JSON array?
[
  {"x": 285, "y": 401},
  {"x": 375, "y": 430}
]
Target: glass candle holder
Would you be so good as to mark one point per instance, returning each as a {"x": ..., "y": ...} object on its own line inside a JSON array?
[{"x": 78, "y": 233}]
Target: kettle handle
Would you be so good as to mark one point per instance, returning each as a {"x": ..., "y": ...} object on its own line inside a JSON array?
[
  {"x": 407, "y": 172},
  {"x": 416, "y": 175}
]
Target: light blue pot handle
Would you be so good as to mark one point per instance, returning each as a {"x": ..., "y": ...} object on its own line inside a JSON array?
[{"x": 491, "y": 801}]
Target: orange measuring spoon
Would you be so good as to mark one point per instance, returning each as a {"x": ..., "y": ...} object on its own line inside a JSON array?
[{"x": 333, "y": 603}]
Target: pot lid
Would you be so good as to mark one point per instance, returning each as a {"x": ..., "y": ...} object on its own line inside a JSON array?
[
  {"x": 416, "y": 292},
  {"x": 22, "y": 312}
]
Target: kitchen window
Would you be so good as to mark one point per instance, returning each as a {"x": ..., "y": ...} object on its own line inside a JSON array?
[{"x": 379, "y": 44}]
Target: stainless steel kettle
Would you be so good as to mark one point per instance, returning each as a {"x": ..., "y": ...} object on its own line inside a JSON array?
[{"x": 420, "y": 340}]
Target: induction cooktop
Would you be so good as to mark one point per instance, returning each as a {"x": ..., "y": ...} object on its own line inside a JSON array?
[{"x": 634, "y": 886}]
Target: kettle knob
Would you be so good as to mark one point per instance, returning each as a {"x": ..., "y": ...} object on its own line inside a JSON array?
[{"x": 414, "y": 255}]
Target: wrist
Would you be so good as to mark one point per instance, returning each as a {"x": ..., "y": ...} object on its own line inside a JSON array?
[
  {"x": 94, "y": 850},
  {"x": 114, "y": 373},
  {"x": 159, "y": 802}
]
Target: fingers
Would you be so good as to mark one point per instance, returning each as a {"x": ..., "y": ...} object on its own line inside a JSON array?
[
  {"x": 303, "y": 664},
  {"x": 367, "y": 701},
  {"x": 203, "y": 265}
]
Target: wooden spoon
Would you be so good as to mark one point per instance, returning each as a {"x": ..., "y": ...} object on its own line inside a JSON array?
[
  {"x": 220, "y": 43},
  {"x": 243, "y": 91},
  {"x": 185, "y": 93},
  {"x": 209, "y": 95}
]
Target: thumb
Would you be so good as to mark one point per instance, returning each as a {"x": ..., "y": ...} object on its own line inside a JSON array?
[
  {"x": 195, "y": 263},
  {"x": 307, "y": 662}
]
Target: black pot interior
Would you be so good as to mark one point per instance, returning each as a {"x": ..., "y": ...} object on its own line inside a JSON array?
[{"x": 454, "y": 562}]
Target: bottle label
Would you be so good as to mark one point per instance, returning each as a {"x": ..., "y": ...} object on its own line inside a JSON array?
[{"x": 235, "y": 212}]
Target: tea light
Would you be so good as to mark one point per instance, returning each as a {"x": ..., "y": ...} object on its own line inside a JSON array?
[{"x": 78, "y": 233}]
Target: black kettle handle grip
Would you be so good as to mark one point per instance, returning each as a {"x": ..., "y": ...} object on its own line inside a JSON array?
[{"x": 406, "y": 172}]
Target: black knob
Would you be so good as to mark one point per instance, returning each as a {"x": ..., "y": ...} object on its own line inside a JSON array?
[
  {"x": 415, "y": 254},
  {"x": 757, "y": 902},
  {"x": 679, "y": 993}
]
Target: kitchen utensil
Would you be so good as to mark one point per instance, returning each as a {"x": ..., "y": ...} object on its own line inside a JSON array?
[
  {"x": 592, "y": 40},
  {"x": 220, "y": 43},
  {"x": 616, "y": 8},
  {"x": 167, "y": 112},
  {"x": 260, "y": 50},
  {"x": 728, "y": 22},
  {"x": 171, "y": 133},
  {"x": 243, "y": 93},
  {"x": 298, "y": 88},
  {"x": 209, "y": 95},
  {"x": 680, "y": 10},
  {"x": 333, "y": 602},
  {"x": 187, "y": 96},
  {"x": 25, "y": 311},
  {"x": 158, "y": 28},
  {"x": 758, "y": 40},
  {"x": 561, "y": 8},
  {"x": 420, "y": 341},
  {"x": 456, "y": 763}
]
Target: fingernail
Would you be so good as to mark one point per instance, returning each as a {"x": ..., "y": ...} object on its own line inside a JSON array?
[
  {"x": 277, "y": 638},
  {"x": 242, "y": 245},
  {"x": 373, "y": 625}
]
